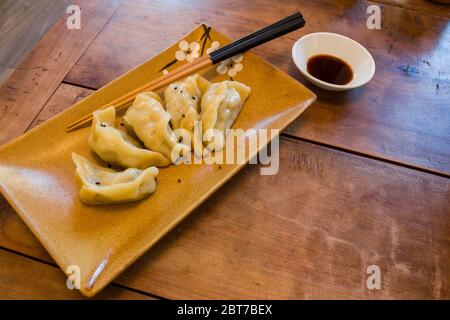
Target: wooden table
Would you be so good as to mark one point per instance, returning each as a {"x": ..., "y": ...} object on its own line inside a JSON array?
[{"x": 364, "y": 175}]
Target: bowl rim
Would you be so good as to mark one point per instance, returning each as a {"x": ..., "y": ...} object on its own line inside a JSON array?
[{"x": 313, "y": 79}]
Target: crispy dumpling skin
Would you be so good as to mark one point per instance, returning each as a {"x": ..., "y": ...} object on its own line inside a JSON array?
[
  {"x": 118, "y": 147},
  {"x": 106, "y": 186},
  {"x": 183, "y": 101},
  {"x": 150, "y": 123},
  {"x": 220, "y": 106}
]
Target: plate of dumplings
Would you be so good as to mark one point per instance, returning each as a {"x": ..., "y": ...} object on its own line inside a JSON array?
[{"x": 101, "y": 196}]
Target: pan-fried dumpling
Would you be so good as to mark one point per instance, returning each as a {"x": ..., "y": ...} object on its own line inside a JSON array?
[
  {"x": 221, "y": 105},
  {"x": 105, "y": 186},
  {"x": 150, "y": 122},
  {"x": 183, "y": 101},
  {"x": 117, "y": 147}
]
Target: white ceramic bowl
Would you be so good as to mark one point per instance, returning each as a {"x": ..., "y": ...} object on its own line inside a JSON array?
[{"x": 349, "y": 50}]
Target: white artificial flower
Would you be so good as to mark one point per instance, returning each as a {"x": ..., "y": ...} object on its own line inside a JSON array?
[
  {"x": 188, "y": 51},
  {"x": 231, "y": 66},
  {"x": 214, "y": 46}
]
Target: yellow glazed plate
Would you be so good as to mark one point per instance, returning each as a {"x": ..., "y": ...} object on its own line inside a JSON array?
[{"x": 37, "y": 175}]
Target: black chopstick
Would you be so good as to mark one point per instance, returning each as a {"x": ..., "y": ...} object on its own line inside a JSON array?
[
  {"x": 261, "y": 31},
  {"x": 275, "y": 30}
]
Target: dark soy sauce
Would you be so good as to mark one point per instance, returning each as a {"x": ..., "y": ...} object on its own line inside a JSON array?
[{"x": 329, "y": 69}]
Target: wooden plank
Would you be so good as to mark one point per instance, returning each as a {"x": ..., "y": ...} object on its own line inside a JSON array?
[
  {"x": 424, "y": 6},
  {"x": 402, "y": 115},
  {"x": 15, "y": 235},
  {"x": 308, "y": 232},
  {"x": 24, "y": 94},
  {"x": 22, "y": 23},
  {"x": 65, "y": 96},
  {"x": 5, "y": 72},
  {"x": 23, "y": 278}
]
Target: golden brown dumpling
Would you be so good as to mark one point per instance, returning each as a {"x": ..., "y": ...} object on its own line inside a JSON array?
[
  {"x": 150, "y": 122},
  {"x": 105, "y": 186},
  {"x": 221, "y": 104},
  {"x": 183, "y": 101},
  {"x": 117, "y": 147}
]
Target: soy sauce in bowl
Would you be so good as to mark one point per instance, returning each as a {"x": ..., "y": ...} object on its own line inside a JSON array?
[{"x": 329, "y": 69}]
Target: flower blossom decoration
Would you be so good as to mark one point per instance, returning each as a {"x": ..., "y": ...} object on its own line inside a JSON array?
[
  {"x": 214, "y": 46},
  {"x": 188, "y": 51},
  {"x": 231, "y": 66}
]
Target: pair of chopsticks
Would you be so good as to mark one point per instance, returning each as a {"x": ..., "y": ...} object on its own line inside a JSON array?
[{"x": 275, "y": 30}]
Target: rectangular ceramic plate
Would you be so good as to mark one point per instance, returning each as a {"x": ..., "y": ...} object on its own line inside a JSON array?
[{"x": 37, "y": 175}]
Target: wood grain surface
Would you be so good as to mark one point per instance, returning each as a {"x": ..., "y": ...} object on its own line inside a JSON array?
[
  {"x": 22, "y": 24},
  {"x": 337, "y": 214},
  {"x": 29, "y": 87},
  {"x": 23, "y": 278},
  {"x": 401, "y": 115},
  {"x": 422, "y": 6},
  {"x": 312, "y": 230}
]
